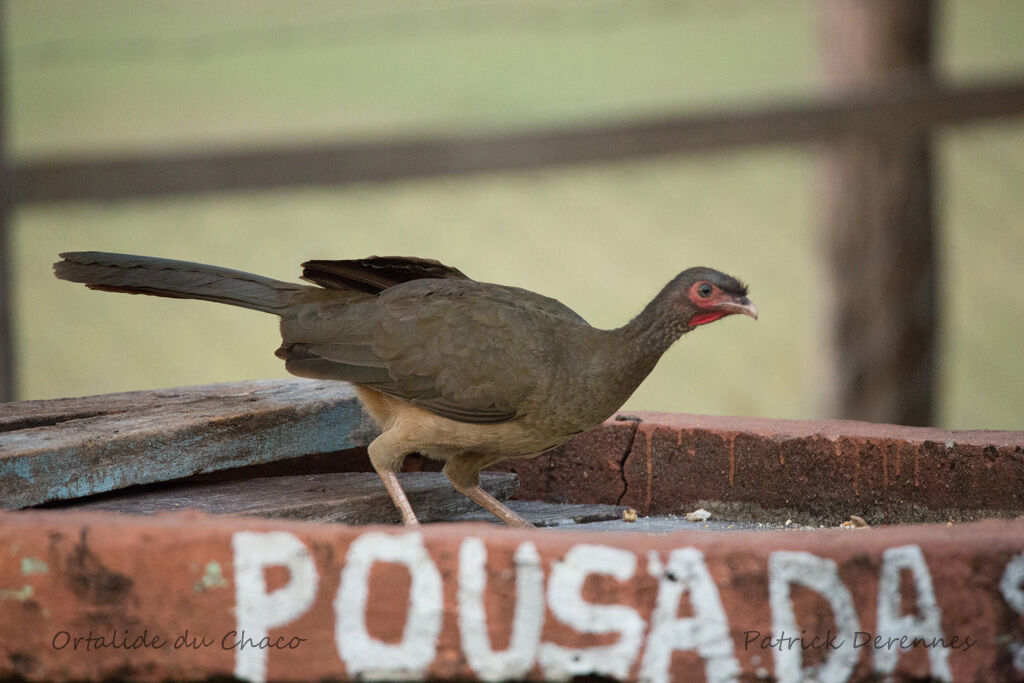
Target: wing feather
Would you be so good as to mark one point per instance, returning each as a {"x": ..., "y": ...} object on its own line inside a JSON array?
[
  {"x": 376, "y": 273},
  {"x": 468, "y": 351}
]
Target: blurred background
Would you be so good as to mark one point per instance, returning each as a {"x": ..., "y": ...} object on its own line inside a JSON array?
[{"x": 860, "y": 163}]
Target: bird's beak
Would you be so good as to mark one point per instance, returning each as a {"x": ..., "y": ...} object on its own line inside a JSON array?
[{"x": 740, "y": 305}]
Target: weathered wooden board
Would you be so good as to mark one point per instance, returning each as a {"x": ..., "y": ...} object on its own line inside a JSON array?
[
  {"x": 70, "y": 448},
  {"x": 344, "y": 497}
]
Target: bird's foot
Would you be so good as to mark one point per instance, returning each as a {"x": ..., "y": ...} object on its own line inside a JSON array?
[{"x": 521, "y": 523}]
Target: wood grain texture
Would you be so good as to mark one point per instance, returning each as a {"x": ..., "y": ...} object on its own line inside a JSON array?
[
  {"x": 70, "y": 448},
  {"x": 348, "y": 497}
]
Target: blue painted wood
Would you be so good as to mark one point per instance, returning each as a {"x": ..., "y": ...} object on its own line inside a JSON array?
[{"x": 70, "y": 448}]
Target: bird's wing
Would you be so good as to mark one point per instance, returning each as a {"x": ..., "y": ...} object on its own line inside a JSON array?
[
  {"x": 468, "y": 351},
  {"x": 332, "y": 338},
  {"x": 376, "y": 273}
]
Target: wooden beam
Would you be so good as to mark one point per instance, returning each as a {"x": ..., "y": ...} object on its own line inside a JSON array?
[
  {"x": 76, "y": 447},
  {"x": 879, "y": 236},
  {"x": 339, "y": 497},
  {"x": 894, "y": 107}
]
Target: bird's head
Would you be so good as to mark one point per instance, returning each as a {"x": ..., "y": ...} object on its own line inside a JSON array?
[{"x": 703, "y": 295}]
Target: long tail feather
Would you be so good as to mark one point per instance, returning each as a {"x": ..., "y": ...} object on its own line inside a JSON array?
[{"x": 176, "y": 279}]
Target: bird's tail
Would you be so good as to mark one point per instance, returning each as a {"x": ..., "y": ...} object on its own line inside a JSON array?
[{"x": 176, "y": 279}]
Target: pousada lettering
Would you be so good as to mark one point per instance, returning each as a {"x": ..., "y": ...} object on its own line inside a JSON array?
[{"x": 628, "y": 644}]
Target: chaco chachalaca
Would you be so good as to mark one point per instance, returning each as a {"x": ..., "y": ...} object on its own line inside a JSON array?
[{"x": 463, "y": 371}]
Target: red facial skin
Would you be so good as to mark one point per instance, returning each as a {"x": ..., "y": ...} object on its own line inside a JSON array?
[{"x": 708, "y": 305}]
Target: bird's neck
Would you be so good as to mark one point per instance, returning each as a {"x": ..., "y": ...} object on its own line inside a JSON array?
[
  {"x": 628, "y": 354},
  {"x": 653, "y": 330}
]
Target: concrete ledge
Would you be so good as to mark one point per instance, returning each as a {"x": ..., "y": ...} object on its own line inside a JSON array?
[
  {"x": 668, "y": 463},
  {"x": 169, "y": 597}
]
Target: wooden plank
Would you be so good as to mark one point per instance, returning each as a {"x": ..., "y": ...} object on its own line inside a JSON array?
[
  {"x": 70, "y": 448},
  {"x": 346, "y": 498},
  {"x": 902, "y": 106}
]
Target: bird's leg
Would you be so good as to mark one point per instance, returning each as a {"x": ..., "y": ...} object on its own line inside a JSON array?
[
  {"x": 494, "y": 506},
  {"x": 394, "y": 490},
  {"x": 387, "y": 455},
  {"x": 463, "y": 472}
]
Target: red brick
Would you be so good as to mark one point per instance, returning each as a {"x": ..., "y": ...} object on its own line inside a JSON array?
[
  {"x": 827, "y": 469},
  {"x": 80, "y": 572},
  {"x": 587, "y": 469}
]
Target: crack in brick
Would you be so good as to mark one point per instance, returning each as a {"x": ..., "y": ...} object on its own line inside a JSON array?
[
  {"x": 822, "y": 470},
  {"x": 634, "y": 428}
]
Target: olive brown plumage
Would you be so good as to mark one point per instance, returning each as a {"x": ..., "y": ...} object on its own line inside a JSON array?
[{"x": 467, "y": 372}]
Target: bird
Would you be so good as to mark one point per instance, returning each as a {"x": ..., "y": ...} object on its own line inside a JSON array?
[{"x": 467, "y": 372}]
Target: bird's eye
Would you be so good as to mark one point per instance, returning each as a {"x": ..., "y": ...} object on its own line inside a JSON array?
[{"x": 704, "y": 291}]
